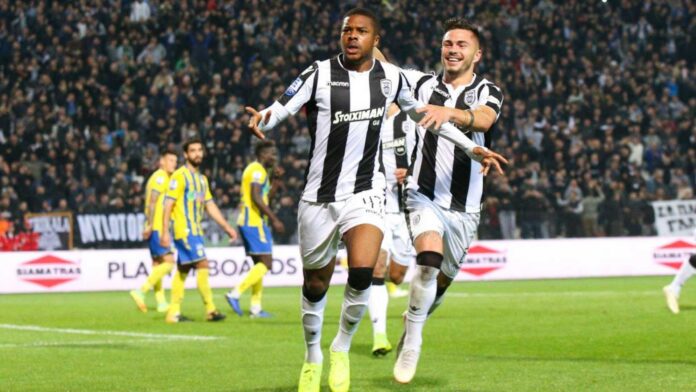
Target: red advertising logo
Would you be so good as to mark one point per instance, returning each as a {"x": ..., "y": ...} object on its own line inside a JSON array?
[
  {"x": 674, "y": 254},
  {"x": 482, "y": 260},
  {"x": 48, "y": 271}
]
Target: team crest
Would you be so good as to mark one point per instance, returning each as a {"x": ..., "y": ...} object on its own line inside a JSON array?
[
  {"x": 407, "y": 127},
  {"x": 386, "y": 86},
  {"x": 470, "y": 97}
]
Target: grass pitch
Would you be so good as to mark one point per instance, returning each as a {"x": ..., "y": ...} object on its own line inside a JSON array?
[{"x": 562, "y": 335}]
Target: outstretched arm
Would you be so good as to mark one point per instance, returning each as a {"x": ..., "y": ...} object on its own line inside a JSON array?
[{"x": 292, "y": 100}]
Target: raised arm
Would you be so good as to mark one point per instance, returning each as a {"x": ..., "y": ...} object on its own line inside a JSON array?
[{"x": 292, "y": 100}]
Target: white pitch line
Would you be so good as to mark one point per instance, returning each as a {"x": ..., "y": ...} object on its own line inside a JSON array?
[
  {"x": 557, "y": 293},
  {"x": 36, "y": 328},
  {"x": 79, "y": 343}
]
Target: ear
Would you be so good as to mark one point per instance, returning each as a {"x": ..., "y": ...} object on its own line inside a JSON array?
[
  {"x": 377, "y": 37},
  {"x": 477, "y": 56}
]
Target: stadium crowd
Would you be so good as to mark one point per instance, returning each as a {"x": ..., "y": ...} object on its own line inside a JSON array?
[{"x": 600, "y": 101}]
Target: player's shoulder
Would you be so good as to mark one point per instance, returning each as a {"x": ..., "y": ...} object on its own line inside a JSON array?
[
  {"x": 483, "y": 81},
  {"x": 254, "y": 167},
  {"x": 178, "y": 173}
]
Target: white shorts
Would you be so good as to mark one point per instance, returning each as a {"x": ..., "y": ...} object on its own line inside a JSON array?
[
  {"x": 321, "y": 225},
  {"x": 457, "y": 229},
  {"x": 396, "y": 240}
]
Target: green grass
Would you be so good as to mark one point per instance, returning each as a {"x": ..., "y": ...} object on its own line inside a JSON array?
[{"x": 562, "y": 335}]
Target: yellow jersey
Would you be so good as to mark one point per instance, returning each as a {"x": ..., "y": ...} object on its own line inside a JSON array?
[
  {"x": 190, "y": 192},
  {"x": 157, "y": 182},
  {"x": 249, "y": 213}
]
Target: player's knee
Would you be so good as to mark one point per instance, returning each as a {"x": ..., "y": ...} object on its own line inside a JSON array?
[
  {"x": 692, "y": 260},
  {"x": 396, "y": 274},
  {"x": 396, "y": 277},
  {"x": 360, "y": 278},
  {"x": 429, "y": 259},
  {"x": 314, "y": 290}
]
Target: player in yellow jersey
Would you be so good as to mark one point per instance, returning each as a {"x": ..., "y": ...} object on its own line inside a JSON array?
[
  {"x": 162, "y": 257},
  {"x": 188, "y": 195},
  {"x": 253, "y": 226}
]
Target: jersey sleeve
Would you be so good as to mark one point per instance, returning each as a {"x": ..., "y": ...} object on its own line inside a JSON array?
[
  {"x": 258, "y": 175},
  {"x": 160, "y": 183},
  {"x": 176, "y": 187},
  {"x": 293, "y": 99},
  {"x": 492, "y": 96}
]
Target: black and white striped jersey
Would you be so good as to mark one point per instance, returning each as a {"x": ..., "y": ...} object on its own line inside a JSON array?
[
  {"x": 345, "y": 110},
  {"x": 441, "y": 171},
  {"x": 398, "y": 139}
]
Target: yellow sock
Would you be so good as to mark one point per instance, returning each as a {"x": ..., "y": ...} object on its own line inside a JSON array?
[
  {"x": 255, "y": 275},
  {"x": 391, "y": 287},
  {"x": 159, "y": 293},
  {"x": 202, "y": 276},
  {"x": 156, "y": 277},
  {"x": 256, "y": 293},
  {"x": 177, "y": 293}
]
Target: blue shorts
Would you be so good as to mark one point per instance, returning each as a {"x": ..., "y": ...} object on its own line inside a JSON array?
[
  {"x": 157, "y": 250},
  {"x": 190, "y": 249},
  {"x": 257, "y": 240}
]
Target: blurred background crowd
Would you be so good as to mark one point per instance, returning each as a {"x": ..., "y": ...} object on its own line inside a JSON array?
[{"x": 600, "y": 101}]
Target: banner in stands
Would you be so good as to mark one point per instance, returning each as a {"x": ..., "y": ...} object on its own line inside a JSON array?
[
  {"x": 675, "y": 217},
  {"x": 98, "y": 270},
  {"x": 54, "y": 229},
  {"x": 112, "y": 230}
]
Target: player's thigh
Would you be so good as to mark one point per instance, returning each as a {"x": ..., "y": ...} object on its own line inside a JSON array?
[
  {"x": 266, "y": 259},
  {"x": 461, "y": 231},
  {"x": 317, "y": 227},
  {"x": 361, "y": 224},
  {"x": 425, "y": 223}
]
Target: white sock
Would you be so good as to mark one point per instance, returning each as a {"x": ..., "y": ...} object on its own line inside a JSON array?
[
  {"x": 255, "y": 308},
  {"x": 421, "y": 298},
  {"x": 352, "y": 311},
  {"x": 377, "y": 306},
  {"x": 312, "y": 321},
  {"x": 685, "y": 272}
]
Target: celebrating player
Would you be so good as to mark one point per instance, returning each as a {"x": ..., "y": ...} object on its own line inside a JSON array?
[
  {"x": 162, "y": 258},
  {"x": 188, "y": 194},
  {"x": 253, "y": 227},
  {"x": 398, "y": 134},
  {"x": 345, "y": 98},
  {"x": 445, "y": 186}
]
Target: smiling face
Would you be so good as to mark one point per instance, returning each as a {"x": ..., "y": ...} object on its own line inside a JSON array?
[
  {"x": 460, "y": 51},
  {"x": 358, "y": 39}
]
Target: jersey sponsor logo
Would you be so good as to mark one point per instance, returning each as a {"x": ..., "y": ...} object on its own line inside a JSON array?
[
  {"x": 294, "y": 87},
  {"x": 358, "y": 115},
  {"x": 470, "y": 97},
  {"x": 673, "y": 254},
  {"x": 337, "y": 84},
  {"x": 441, "y": 92},
  {"x": 396, "y": 143},
  {"x": 386, "y": 86}
]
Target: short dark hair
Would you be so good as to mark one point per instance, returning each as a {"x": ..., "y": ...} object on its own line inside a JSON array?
[
  {"x": 366, "y": 13},
  {"x": 463, "y": 24},
  {"x": 263, "y": 145},
  {"x": 168, "y": 151},
  {"x": 191, "y": 142}
]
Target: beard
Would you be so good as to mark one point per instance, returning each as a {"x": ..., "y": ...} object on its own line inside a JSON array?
[{"x": 195, "y": 162}]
